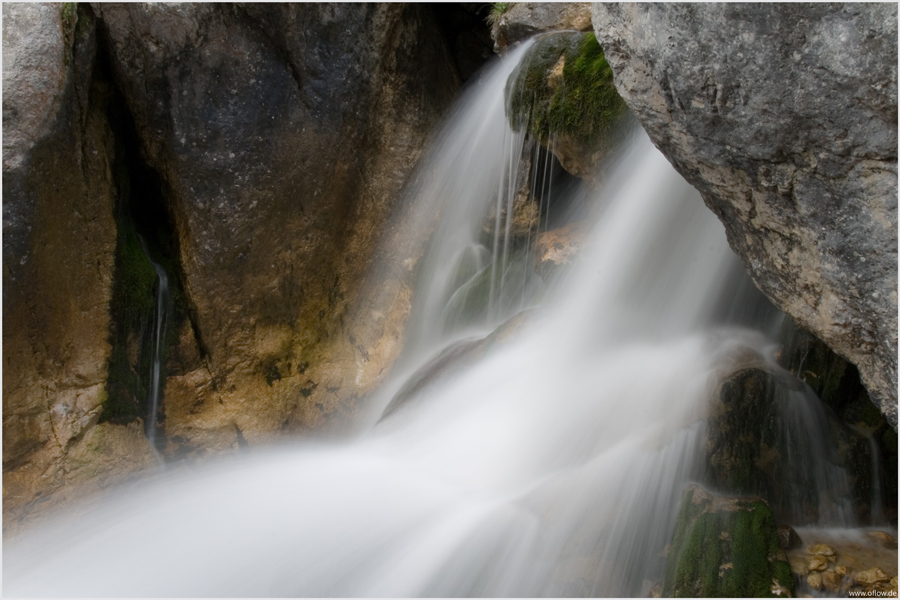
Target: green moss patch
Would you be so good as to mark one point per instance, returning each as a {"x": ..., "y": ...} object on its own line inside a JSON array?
[
  {"x": 726, "y": 547},
  {"x": 565, "y": 86},
  {"x": 131, "y": 311}
]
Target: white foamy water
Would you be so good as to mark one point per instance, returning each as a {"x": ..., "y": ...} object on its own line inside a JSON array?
[{"x": 551, "y": 465}]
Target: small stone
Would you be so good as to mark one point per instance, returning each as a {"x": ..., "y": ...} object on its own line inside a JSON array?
[
  {"x": 820, "y": 549},
  {"x": 656, "y": 591},
  {"x": 894, "y": 583},
  {"x": 817, "y": 563},
  {"x": 870, "y": 576},
  {"x": 814, "y": 580},
  {"x": 881, "y": 536},
  {"x": 840, "y": 570},
  {"x": 831, "y": 581}
]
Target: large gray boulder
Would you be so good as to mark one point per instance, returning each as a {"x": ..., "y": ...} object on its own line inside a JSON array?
[
  {"x": 282, "y": 134},
  {"x": 784, "y": 116}
]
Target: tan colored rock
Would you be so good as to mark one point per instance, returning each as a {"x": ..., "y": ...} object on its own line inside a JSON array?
[
  {"x": 881, "y": 536},
  {"x": 282, "y": 197},
  {"x": 871, "y": 576},
  {"x": 820, "y": 549},
  {"x": 59, "y": 237},
  {"x": 831, "y": 581},
  {"x": 817, "y": 563},
  {"x": 814, "y": 580}
]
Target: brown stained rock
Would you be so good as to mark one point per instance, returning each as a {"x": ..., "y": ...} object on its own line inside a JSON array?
[
  {"x": 871, "y": 576},
  {"x": 107, "y": 456},
  {"x": 557, "y": 248},
  {"x": 283, "y": 153},
  {"x": 785, "y": 118},
  {"x": 820, "y": 550},
  {"x": 58, "y": 254},
  {"x": 814, "y": 580},
  {"x": 817, "y": 563},
  {"x": 881, "y": 536},
  {"x": 831, "y": 581}
]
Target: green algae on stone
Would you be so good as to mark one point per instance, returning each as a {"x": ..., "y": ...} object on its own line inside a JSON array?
[
  {"x": 725, "y": 547},
  {"x": 131, "y": 307},
  {"x": 564, "y": 86}
]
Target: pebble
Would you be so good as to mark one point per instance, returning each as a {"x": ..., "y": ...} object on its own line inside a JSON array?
[
  {"x": 870, "y": 576},
  {"x": 820, "y": 549},
  {"x": 831, "y": 580},
  {"x": 881, "y": 536},
  {"x": 814, "y": 580},
  {"x": 817, "y": 563}
]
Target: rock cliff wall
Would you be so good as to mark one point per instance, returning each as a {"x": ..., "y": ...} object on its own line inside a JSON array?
[
  {"x": 784, "y": 116},
  {"x": 282, "y": 135},
  {"x": 58, "y": 241},
  {"x": 260, "y": 151}
]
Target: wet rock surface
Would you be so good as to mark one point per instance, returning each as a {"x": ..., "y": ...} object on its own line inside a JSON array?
[
  {"x": 525, "y": 19},
  {"x": 281, "y": 155},
  {"x": 59, "y": 236},
  {"x": 557, "y": 248},
  {"x": 725, "y": 546},
  {"x": 845, "y": 562},
  {"x": 785, "y": 118}
]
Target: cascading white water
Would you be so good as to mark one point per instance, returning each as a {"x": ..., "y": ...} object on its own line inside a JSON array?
[{"x": 551, "y": 466}]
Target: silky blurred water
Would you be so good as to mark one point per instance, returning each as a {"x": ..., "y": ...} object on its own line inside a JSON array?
[{"x": 550, "y": 465}]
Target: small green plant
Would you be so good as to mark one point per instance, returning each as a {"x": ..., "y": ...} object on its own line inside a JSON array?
[
  {"x": 565, "y": 86},
  {"x": 498, "y": 9}
]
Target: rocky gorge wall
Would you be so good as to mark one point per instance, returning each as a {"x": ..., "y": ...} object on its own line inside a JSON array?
[
  {"x": 785, "y": 118},
  {"x": 259, "y": 152}
]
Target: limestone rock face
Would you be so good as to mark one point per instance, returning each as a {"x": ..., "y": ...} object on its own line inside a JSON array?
[
  {"x": 283, "y": 135},
  {"x": 525, "y": 19},
  {"x": 58, "y": 241},
  {"x": 785, "y": 118}
]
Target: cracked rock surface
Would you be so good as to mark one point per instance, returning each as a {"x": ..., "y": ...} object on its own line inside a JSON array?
[
  {"x": 283, "y": 135},
  {"x": 784, "y": 116}
]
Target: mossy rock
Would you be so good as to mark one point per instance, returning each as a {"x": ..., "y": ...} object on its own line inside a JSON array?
[
  {"x": 726, "y": 547},
  {"x": 564, "y": 86},
  {"x": 131, "y": 310}
]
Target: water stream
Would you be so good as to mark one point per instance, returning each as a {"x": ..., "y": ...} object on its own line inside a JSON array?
[
  {"x": 547, "y": 461},
  {"x": 159, "y": 333}
]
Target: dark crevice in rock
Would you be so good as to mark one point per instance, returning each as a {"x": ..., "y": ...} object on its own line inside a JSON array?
[
  {"x": 467, "y": 34},
  {"x": 144, "y": 227}
]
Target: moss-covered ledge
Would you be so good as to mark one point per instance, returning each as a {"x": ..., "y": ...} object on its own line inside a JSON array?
[
  {"x": 726, "y": 547},
  {"x": 562, "y": 93}
]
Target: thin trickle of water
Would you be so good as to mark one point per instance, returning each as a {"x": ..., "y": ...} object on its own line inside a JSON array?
[
  {"x": 159, "y": 333},
  {"x": 551, "y": 465}
]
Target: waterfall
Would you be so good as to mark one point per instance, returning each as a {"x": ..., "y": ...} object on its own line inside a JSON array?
[
  {"x": 154, "y": 390},
  {"x": 545, "y": 459}
]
